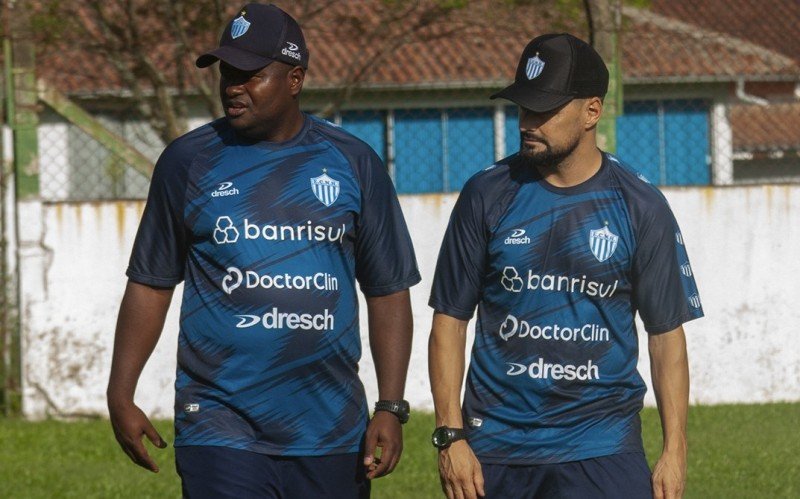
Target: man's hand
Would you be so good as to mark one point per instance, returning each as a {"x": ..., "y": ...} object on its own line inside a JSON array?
[
  {"x": 669, "y": 476},
  {"x": 384, "y": 431},
  {"x": 460, "y": 472},
  {"x": 130, "y": 424}
]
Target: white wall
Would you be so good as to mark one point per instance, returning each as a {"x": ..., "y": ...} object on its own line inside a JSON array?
[{"x": 744, "y": 243}]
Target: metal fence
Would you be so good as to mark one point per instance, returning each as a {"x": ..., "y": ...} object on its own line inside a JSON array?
[{"x": 672, "y": 142}]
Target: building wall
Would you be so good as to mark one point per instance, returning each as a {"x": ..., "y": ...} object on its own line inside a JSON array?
[{"x": 743, "y": 243}]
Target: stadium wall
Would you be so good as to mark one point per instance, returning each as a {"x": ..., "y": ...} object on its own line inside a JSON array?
[{"x": 743, "y": 241}]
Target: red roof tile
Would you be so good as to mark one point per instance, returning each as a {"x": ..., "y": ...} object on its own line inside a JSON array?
[
  {"x": 656, "y": 47},
  {"x": 476, "y": 46},
  {"x": 773, "y": 24},
  {"x": 765, "y": 128}
]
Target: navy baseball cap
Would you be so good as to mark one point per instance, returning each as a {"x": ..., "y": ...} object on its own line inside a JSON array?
[
  {"x": 257, "y": 36},
  {"x": 553, "y": 70}
]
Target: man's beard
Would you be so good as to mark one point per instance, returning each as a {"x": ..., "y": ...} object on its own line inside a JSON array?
[{"x": 549, "y": 158}]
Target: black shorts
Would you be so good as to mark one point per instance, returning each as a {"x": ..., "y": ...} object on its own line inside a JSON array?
[
  {"x": 222, "y": 472},
  {"x": 619, "y": 476}
]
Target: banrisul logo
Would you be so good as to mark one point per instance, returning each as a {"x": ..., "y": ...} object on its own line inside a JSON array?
[
  {"x": 225, "y": 232},
  {"x": 325, "y": 188},
  {"x": 225, "y": 189},
  {"x": 603, "y": 242},
  {"x": 239, "y": 26},
  {"x": 534, "y": 67},
  {"x": 514, "y": 282}
]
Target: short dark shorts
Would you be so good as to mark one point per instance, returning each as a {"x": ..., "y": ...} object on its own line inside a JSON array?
[
  {"x": 620, "y": 476},
  {"x": 221, "y": 472}
]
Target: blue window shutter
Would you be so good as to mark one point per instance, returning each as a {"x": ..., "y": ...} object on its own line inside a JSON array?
[
  {"x": 639, "y": 138},
  {"x": 512, "y": 130},
  {"x": 469, "y": 144},
  {"x": 369, "y": 126},
  {"x": 418, "y": 150},
  {"x": 686, "y": 136},
  {"x": 667, "y": 141}
]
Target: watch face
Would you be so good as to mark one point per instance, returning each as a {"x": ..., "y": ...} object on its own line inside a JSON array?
[{"x": 440, "y": 437}]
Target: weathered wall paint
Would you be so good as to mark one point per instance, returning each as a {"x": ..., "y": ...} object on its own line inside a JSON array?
[{"x": 744, "y": 244}]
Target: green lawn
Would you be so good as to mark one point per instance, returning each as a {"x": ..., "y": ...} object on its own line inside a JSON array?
[{"x": 735, "y": 451}]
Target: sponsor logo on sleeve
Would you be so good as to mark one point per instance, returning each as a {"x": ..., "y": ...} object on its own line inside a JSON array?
[
  {"x": 475, "y": 422},
  {"x": 190, "y": 408}
]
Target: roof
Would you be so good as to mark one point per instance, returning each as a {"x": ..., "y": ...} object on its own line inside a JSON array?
[
  {"x": 773, "y": 24},
  {"x": 660, "y": 48},
  {"x": 765, "y": 128},
  {"x": 475, "y": 46}
]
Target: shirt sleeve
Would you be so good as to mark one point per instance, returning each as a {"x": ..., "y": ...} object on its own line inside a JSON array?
[
  {"x": 461, "y": 267},
  {"x": 384, "y": 254},
  {"x": 664, "y": 289},
  {"x": 159, "y": 250}
]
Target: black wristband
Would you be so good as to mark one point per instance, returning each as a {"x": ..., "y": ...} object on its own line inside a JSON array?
[{"x": 399, "y": 408}]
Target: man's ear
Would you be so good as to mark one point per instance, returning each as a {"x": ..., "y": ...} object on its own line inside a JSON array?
[
  {"x": 593, "y": 109},
  {"x": 296, "y": 76}
]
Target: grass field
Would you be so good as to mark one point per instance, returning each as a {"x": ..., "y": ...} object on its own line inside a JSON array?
[{"x": 746, "y": 451}]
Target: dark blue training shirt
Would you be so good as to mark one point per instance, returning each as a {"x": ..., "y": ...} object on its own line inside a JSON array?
[
  {"x": 270, "y": 238},
  {"x": 558, "y": 275}
]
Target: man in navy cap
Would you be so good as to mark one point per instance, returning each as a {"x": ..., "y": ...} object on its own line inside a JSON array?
[
  {"x": 269, "y": 216},
  {"x": 558, "y": 246}
]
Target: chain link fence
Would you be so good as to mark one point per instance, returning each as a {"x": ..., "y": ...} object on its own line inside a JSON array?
[{"x": 672, "y": 142}]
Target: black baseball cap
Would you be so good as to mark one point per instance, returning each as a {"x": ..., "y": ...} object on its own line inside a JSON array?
[
  {"x": 553, "y": 70},
  {"x": 258, "y": 35}
]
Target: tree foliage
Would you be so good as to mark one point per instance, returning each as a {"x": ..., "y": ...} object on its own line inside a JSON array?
[{"x": 145, "y": 49}]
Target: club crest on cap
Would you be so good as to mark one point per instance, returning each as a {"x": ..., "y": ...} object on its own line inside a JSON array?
[
  {"x": 534, "y": 67},
  {"x": 239, "y": 27}
]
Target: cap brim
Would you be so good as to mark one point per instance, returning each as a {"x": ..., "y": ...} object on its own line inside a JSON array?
[
  {"x": 537, "y": 101},
  {"x": 240, "y": 59}
]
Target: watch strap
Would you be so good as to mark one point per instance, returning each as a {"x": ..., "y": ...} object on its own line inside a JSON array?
[
  {"x": 453, "y": 435},
  {"x": 399, "y": 408}
]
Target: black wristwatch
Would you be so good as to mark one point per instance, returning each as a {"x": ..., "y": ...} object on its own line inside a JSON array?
[
  {"x": 399, "y": 408},
  {"x": 443, "y": 436}
]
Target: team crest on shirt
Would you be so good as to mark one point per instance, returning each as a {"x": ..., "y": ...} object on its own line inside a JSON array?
[
  {"x": 603, "y": 242},
  {"x": 534, "y": 67},
  {"x": 239, "y": 27},
  {"x": 325, "y": 188}
]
